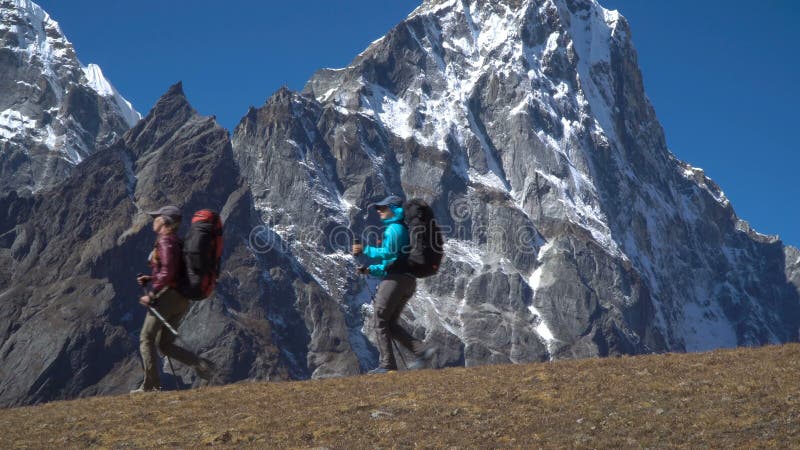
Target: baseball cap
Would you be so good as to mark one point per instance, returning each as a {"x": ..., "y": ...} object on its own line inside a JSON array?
[
  {"x": 171, "y": 211},
  {"x": 391, "y": 201}
]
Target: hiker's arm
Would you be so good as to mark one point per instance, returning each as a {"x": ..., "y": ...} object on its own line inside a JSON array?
[
  {"x": 375, "y": 252},
  {"x": 389, "y": 252},
  {"x": 389, "y": 248},
  {"x": 377, "y": 270},
  {"x": 170, "y": 263}
]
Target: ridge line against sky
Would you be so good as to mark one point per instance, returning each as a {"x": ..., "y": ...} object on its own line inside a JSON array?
[{"x": 722, "y": 75}]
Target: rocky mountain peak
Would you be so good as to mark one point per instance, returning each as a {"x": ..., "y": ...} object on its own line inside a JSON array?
[
  {"x": 54, "y": 112},
  {"x": 176, "y": 90},
  {"x": 172, "y": 102},
  {"x": 171, "y": 111},
  {"x": 28, "y": 29}
]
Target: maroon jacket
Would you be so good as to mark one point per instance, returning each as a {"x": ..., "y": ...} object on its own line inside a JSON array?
[{"x": 166, "y": 261}]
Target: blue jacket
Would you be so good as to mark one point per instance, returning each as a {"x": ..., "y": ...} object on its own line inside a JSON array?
[{"x": 395, "y": 243}]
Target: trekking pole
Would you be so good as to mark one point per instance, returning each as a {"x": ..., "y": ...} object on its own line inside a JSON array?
[
  {"x": 357, "y": 241},
  {"x": 160, "y": 317},
  {"x": 400, "y": 354},
  {"x": 174, "y": 377},
  {"x": 371, "y": 291},
  {"x": 163, "y": 320}
]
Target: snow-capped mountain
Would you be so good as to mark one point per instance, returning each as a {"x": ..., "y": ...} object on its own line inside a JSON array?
[
  {"x": 572, "y": 230},
  {"x": 54, "y": 112}
]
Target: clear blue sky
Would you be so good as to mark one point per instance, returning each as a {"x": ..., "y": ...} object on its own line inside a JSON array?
[{"x": 723, "y": 74}]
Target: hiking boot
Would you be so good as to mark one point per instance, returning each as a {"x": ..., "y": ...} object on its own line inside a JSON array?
[
  {"x": 141, "y": 390},
  {"x": 380, "y": 370},
  {"x": 205, "y": 369},
  {"x": 423, "y": 359}
]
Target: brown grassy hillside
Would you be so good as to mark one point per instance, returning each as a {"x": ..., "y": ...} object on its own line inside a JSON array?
[{"x": 740, "y": 398}]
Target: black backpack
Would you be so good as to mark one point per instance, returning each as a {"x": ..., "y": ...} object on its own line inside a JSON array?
[
  {"x": 202, "y": 251},
  {"x": 426, "y": 250}
]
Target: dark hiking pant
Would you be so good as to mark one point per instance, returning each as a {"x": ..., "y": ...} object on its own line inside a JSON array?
[
  {"x": 173, "y": 307},
  {"x": 393, "y": 294}
]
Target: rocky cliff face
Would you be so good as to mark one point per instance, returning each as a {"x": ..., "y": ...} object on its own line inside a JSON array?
[
  {"x": 70, "y": 319},
  {"x": 54, "y": 112},
  {"x": 572, "y": 231}
]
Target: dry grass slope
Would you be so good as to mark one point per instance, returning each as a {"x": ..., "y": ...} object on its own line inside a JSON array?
[{"x": 741, "y": 398}]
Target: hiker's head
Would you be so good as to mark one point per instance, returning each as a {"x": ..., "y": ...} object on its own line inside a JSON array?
[
  {"x": 166, "y": 219},
  {"x": 387, "y": 207},
  {"x": 385, "y": 212},
  {"x": 166, "y": 224}
]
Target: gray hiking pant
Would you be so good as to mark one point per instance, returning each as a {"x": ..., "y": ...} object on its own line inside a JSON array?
[
  {"x": 173, "y": 307},
  {"x": 393, "y": 294}
]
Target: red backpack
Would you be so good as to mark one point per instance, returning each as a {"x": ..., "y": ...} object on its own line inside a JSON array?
[{"x": 202, "y": 253}]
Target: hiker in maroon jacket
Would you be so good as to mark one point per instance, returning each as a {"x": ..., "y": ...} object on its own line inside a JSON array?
[{"x": 166, "y": 260}]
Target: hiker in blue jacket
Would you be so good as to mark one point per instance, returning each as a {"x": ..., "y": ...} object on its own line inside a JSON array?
[{"x": 395, "y": 290}]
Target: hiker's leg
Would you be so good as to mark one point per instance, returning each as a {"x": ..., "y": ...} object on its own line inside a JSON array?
[
  {"x": 147, "y": 348},
  {"x": 406, "y": 287},
  {"x": 384, "y": 311},
  {"x": 173, "y": 307},
  {"x": 406, "y": 339}
]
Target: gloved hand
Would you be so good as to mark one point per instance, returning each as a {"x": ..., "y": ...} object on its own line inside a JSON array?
[
  {"x": 362, "y": 270},
  {"x": 143, "y": 279}
]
